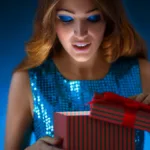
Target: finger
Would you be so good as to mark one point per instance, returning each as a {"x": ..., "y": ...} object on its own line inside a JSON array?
[
  {"x": 133, "y": 97},
  {"x": 51, "y": 141},
  {"x": 42, "y": 145},
  {"x": 141, "y": 97},
  {"x": 147, "y": 100},
  {"x": 54, "y": 148},
  {"x": 45, "y": 146}
]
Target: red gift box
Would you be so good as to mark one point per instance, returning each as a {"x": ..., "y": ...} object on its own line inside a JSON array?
[
  {"x": 81, "y": 132},
  {"x": 119, "y": 110}
]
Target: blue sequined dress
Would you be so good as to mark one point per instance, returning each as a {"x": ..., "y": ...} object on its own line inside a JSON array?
[{"x": 52, "y": 92}]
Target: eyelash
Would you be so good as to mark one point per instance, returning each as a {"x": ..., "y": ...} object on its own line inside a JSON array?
[{"x": 68, "y": 19}]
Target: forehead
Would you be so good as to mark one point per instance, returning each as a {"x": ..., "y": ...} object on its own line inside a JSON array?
[{"x": 77, "y": 5}]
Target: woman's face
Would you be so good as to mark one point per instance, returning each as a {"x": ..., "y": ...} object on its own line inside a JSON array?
[{"x": 80, "y": 28}]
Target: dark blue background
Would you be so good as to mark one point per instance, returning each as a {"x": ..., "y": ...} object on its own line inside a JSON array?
[{"x": 16, "y": 18}]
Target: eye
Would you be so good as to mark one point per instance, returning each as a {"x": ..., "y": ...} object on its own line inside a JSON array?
[
  {"x": 65, "y": 18},
  {"x": 94, "y": 18}
]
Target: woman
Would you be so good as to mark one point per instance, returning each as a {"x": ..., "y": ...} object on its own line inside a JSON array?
[{"x": 78, "y": 47}]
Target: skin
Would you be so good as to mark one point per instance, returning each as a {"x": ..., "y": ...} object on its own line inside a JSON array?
[
  {"x": 80, "y": 29},
  {"x": 144, "y": 97},
  {"x": 88, "y": 66}
]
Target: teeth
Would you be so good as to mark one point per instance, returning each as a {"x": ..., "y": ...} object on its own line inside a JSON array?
[{"x": 81, "y": 45}]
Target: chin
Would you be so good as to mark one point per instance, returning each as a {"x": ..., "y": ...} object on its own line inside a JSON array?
[{"x": 81, "y": 59}]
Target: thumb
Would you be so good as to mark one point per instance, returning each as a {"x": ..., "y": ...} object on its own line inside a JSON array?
[{"x": 51, "y": 141}]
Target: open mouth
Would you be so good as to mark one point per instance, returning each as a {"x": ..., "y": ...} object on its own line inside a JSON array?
[{"x": 82, "y": 47}]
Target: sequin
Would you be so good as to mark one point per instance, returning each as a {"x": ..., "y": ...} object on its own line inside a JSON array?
[{"x": 52, "y": 92}]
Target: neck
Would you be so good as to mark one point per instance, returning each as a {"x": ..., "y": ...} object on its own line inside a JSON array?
[{"x": 90, "y": 70}]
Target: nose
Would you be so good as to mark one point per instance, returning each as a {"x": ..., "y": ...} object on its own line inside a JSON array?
[{"x": 80, "y": 29}]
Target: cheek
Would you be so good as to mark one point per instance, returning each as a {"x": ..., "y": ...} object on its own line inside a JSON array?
[
  {"x": 98, "y": 32},
  {"x": 62, "y": 32},
  {"x": 95, "y": 32}
]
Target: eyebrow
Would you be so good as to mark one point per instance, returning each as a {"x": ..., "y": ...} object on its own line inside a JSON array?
[{"x": 62, "y": 9}]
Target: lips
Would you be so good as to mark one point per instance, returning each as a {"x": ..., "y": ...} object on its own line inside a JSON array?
[{"x": 81, "y": 49}]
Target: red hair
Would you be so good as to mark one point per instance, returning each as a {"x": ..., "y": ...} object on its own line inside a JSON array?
[{"x": 120, "y": 38}]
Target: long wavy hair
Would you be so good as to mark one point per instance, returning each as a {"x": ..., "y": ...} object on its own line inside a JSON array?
[{"x": 120, "y": 37}]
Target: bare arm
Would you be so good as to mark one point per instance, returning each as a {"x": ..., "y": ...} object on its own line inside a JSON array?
[
  {"x": 145, "y": 75},
  {"x": 144, "y": 97},
  {"x": 19, "y": 116}
]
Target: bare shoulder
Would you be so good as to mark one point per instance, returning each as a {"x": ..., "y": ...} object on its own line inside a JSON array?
[
  {"x": 145, "y": 74},
  {"x": 19, "y": 117},
  {"x": 145, "y": 67},
  {"x": 20, "y": 79},
  {"x": 20, "y": 87}
]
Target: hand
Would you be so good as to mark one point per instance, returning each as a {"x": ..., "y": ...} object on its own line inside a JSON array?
[
  {"x": 46, "y": 143},
  {"x": 144, "y": 98}
]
